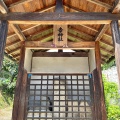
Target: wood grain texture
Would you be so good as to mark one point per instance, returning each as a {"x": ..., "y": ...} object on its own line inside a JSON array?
[
  {"x": 49, "y": 45},
  {"x": 64, "y": 37},
  {"x": 22, "y": 99},
  {"x": 102, "y": 4},
  {"x": 3, "y": 36},
  {"x": 116, "y": 40},
  {"x": 101, "y": 101},
  {"x": 61, "y": 18},
  {"x": 18, "y": 84}
]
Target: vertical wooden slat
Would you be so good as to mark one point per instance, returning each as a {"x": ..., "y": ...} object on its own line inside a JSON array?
[
  {"x": 116, "y": 39},
  {"x": 100, "y": 96},
  {"x": 18, "y": 83},
  {"x": 3, "y": 36}
]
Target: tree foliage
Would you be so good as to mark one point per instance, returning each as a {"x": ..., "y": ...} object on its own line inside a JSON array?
[
  {"x": 112, "y": 99},
  {"x": 8, "y": 76}
]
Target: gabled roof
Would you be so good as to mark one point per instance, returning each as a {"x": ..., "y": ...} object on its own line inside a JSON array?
[{"x": 92, "y": 32}]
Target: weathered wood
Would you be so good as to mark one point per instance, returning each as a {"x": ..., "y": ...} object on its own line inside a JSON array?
[
  {"x": 37, "y": 35},
  {"x": 61, "y": 18},
  {"x": 20, "y": 2},
  {"x": 101, "y": 101},
  {"x": 3, "y": 7},
  {"x": 116, "y": 39},
  {"x": 107, "y": 51},
  {"x": 18, "y": 31},
  {"x": 13, "y": 51},
  {"x": 16, "y": 28},
  {"x": 3, "y": 36},
  {"x": 72, "y": 7},
  {"x": 14, "y": 34},
  {"x": 22, "y": 99},
  {"x": 49, "y": 45},
  {"x": 59, "y": 6},
  {"x": 13, "y": 43},
  {"x": 107, "y": 43},
  {"x": 75, "y": 37},
  {"x": 18, "y": 84},
  {"x": 102, "y": 4},
  {"x": 60, "y": 54},
  {"x": 56, "y": 32},
  {"x": 101, "y": 32},
  {"x": 95, "y": 30},
  {"x": 104, "y": 28}
]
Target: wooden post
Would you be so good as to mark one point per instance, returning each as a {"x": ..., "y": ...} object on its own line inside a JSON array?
[
  {"x": 116, "y": 40},
  {"x": 16, "y": 104},
  {"x": 3, "y": 36},
  {"x": 59, "y": 6},
  {"x": 100, "y": 96}
]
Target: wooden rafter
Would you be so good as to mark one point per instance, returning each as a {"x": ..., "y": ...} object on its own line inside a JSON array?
[
  {"x": 95, "y": 30},
  {"x": 104, "y": 28},
  {"x": 19, "y": 3},
  {"x": 102, "y": 4},
  {"x": 16, "y": 28},
  {"x": 107, "y": 51},
  {"x": 72, "y": 7},
  {"x": 13, "y": 51},
  {"x": 14, "y": 34}
]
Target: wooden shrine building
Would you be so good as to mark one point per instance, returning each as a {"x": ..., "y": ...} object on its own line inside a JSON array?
[{"x": 64, "y": 84}]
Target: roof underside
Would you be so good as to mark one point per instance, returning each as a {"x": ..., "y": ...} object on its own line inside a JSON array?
[{"x": 76, "y": 33}]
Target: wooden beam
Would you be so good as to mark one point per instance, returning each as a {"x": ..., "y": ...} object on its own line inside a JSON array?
[
  {"x": 49, "y": 45},
  {"x": 102, "y": 4},
  {"x": 29, "y": 28},
  {"x": 61, "y": 18},
  {"x": 3, "y": 7},
  {"x": 116, "y": 39},
  {"x": 20, "y": 2},
  {"x": 60, "y": 54},
  {"x": 16, "y": 28},
  {"x": 102, "y": 113},
  {"x": 16, "y": 106},
  {"x": 59, "y": 6},
  {"x": 102, "y": 30},
  {"x": 18, "y": 31},
  {"x": 3, "y": 36}
]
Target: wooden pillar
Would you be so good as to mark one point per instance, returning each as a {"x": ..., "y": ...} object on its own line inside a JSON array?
[
  {"x": 16, "y": 104},
  {"x": 116, "y": 40},
  {"x": 100, "y": 95},
  {"x": 3, "y": 36}
]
